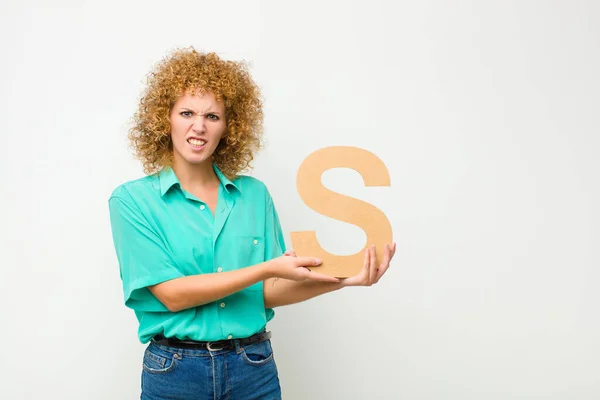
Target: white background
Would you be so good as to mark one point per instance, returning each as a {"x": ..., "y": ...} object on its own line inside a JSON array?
[{"x": 485, "y": 113}]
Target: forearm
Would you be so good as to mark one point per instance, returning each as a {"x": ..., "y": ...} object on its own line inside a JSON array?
[
  {"x": 281, "y": 292},
  {"x": 192, "y": 291}
]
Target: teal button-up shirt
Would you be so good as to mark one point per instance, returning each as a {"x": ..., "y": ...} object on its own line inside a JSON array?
[{"x": 162, "y": 232}]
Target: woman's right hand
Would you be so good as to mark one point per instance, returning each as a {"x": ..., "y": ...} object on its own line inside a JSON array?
[{"x": 292, "y": 267}]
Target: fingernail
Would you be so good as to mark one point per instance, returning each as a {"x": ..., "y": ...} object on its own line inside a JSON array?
[{"x": 318, "y": 261}]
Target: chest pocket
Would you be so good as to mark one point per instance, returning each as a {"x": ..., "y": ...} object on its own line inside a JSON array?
[
  {"x": 247, "y": 250},
  {"x": 240, "y": 251}
]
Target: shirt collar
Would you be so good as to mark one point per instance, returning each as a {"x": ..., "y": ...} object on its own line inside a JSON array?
[{"x": 168, "y": 179}]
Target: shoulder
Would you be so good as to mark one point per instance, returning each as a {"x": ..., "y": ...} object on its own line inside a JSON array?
[
  {"x": 253, "y": 189},
  {"x": 250, "y": 184},
  {"x": 136, "y": 189}
]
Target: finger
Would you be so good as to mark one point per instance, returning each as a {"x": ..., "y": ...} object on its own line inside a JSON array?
[
  {"x": 393, "y": 251},
  {"x": 382, "y": 270},
  {"x": 290, "y": 253},
  {"x": 307, "y": 261},
  {"x": 385, "y": 264},
  {"x": 315, "y": 276},
  {"x": 372, "y": 265}
]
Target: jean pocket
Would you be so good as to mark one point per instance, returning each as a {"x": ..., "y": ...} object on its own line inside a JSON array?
[
  {"x": 157, "y": 361},
  {"x": 257, "y": 353}
]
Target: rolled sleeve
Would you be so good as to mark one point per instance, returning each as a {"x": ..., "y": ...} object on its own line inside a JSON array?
[{"x": 143, "y": 258}]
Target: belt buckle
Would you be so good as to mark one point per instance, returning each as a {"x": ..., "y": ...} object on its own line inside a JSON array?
[{"x": 210, "y": 347}]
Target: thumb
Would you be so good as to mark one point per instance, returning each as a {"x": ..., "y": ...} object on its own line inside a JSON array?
[{"x": 307, "y": 261}]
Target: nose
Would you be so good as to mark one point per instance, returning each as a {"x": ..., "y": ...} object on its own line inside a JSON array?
[{"x": 199, "y": 125}]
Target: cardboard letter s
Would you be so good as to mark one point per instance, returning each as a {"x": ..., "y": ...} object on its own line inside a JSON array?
[{"x": 344, "y": 208}]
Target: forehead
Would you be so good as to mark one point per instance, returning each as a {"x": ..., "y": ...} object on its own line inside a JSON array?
[{"x": 199, "y": 100}]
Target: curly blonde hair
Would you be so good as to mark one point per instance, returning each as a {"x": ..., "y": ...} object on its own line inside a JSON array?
[{"x": 186, "y": 70}]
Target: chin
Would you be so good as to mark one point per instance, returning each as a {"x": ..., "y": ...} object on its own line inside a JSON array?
[{"x": 196, "y": 160}]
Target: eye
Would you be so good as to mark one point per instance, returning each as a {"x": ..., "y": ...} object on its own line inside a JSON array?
[
  {"x": 213, "y": 117},
  {"x": 186, "y": 113}
]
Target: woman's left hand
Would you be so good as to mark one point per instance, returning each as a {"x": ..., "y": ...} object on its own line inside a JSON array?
[{"x": 371, "y": 273}]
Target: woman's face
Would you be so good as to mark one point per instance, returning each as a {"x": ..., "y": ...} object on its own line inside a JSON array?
[{"x": 197, "y": 125}]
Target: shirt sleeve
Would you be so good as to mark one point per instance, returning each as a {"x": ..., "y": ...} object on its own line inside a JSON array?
[
  {"x": 274, "y": 241},
  {"x": 143, "y": 258}
]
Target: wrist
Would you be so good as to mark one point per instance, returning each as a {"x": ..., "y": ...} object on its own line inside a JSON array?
[
  {"x": 267, "y": 269},
  {"x": 344, "y": 283}
]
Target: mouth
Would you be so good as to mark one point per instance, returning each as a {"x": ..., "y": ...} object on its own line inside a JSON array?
[{"x": 197, "y": 144}]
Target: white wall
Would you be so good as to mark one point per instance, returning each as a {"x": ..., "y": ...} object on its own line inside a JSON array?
[{"x": 486, "y": 114}]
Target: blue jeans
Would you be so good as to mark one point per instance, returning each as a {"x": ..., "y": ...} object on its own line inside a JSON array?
[{"x": 242, "y": 373}]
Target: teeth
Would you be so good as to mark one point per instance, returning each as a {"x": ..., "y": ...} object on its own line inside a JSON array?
[{"x": 196, "y": 142}]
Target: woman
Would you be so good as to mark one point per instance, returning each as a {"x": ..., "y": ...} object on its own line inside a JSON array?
[{"x": 200, "y": 248}]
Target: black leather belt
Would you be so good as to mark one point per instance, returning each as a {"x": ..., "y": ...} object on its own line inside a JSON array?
[{"x": 227, "y": 344}]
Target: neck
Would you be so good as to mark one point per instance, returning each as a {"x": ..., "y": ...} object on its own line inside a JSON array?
[{"x": 195, "y": 176}]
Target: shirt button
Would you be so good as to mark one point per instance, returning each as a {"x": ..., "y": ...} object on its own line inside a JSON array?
[
  {"x": 230, "y": 337},
  {"x": 255, "y": 241},
  {"x": 222, "y": 305},
  {"x": 219, "y": 269},
  {"x": 202, "y": 207}
]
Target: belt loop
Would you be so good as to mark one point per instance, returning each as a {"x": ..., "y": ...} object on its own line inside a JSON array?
[{"x": 238, "y": 347}]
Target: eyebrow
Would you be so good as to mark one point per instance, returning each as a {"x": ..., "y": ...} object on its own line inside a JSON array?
[{"x": 191, "y": 109}]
